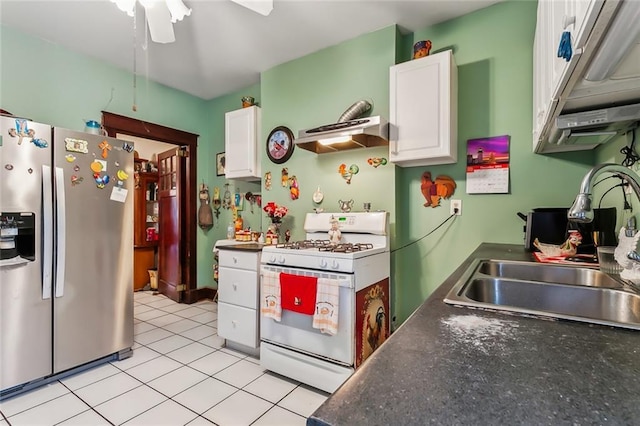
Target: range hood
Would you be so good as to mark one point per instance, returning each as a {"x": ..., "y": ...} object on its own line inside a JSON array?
[
  {"x": 595, "y": 126},
  {"x": 602, "y": 93},
  {"x": 359, "y": 133}
]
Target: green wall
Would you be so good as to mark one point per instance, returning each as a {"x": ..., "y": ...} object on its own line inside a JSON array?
[
  {"x": 493, "y": 52},
  {"x": 315, "y": 90}
]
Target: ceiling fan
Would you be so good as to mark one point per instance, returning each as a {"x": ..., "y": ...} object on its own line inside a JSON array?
[{"x": 162, "y": 14}]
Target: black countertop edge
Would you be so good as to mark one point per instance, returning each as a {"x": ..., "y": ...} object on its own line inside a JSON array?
[
  {"x": 461, "y": 366},
  {"x": 243, "y": 247}
]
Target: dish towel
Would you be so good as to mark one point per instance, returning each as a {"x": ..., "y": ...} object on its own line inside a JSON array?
[
  {"x": 298, "y": 293},
  {"x": 270, "y": 301},
  {"x": 325, "y": 317}
]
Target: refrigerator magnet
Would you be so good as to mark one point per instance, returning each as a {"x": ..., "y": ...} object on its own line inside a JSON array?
[
  {"x": 127, "y": 146},
  {"x": 70, "y": 158},
  {"x": 40, "y": 143},
  {"x": 119, "y": 194},
  {"x": 105, "y": 147},
  {"x": 76, "y": 180},
  {"x": 76, "y": 145}
]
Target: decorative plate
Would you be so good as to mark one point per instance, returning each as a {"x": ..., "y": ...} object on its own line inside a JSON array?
[{"x": 280, "y": 144}]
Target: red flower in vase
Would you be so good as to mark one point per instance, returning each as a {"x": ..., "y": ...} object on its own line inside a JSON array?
[{"x": 275, "y": 212}]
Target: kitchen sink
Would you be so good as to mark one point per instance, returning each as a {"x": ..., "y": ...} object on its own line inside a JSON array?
[
  {"x": 548, "y": 273},
  {"x": 565, "y": 292}
]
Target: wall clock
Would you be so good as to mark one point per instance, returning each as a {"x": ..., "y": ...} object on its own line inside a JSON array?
[{"x": 280, "y": 144}]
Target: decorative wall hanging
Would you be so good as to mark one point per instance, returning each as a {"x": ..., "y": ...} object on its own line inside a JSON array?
[
  {"x": 284, "y": 178},
  {"x": 280, "y": 144},
  {"x": 220, "y": 162},
  {"x": 267, "y": 181},
  {"x": 347, "y": 174},
  {"x": 294, "y": 189},
  {"x": 432, "y": 191},
  {"x": 377, "y": 161},
  {"x": 205, "y": 214},
  {"x": 488, "y": 165},
  {"x": 216, "y": 201},
  {"x": 226, "y": 199},
  {"x": 238, "y": 201}
]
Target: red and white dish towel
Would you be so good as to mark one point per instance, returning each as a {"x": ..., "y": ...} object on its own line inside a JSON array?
[
  {"x": 325, "y": 317},
  {"x": 299, "y": 292},
  {"x": 270, "y": 300}
]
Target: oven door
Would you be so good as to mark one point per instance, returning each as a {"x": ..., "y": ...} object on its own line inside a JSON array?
[{"x": 295, "y": 330}]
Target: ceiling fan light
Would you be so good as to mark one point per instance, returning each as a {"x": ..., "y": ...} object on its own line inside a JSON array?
[
  {"x": 125, "y": 5},
  {"x": 178, "y": 10}
]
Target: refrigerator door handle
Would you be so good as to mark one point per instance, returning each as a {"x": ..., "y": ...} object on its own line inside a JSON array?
[
  {"x": 61, "y": 232},
  {"x": 47, "y": 232}
]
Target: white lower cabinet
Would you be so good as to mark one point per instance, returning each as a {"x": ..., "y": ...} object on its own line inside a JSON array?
[
  {"x": 238, "y": 293},
  {"x": 238, "y": 324}
]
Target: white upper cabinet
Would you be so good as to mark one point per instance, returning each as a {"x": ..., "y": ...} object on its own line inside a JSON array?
[
  {"x": 241, "y": 141},
  {"x": 554, "y": 76},
  {"x": 423, "y": 111}
]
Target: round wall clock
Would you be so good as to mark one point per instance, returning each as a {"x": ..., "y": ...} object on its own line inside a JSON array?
[{"x": 280, "y": 144}]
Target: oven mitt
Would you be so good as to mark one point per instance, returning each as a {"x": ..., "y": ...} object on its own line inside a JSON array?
[{"x": 298, "y": 293}]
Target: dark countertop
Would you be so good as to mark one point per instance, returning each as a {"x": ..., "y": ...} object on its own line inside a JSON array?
[
  {"x": 246, "y": 246},
  {"x": 459, "y": 366}
]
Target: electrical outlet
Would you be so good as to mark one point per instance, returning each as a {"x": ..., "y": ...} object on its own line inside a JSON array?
[{"x": 456, "y": 204}]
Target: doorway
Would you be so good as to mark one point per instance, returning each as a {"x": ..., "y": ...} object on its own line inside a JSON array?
[{"x": 186, "y": 143}]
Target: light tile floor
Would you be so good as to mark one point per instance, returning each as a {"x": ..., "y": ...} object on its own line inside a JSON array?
[{"x": 180, "y": 373}]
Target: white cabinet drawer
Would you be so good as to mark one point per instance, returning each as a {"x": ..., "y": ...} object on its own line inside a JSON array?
[
  {"x": 238, "y": 324},
  {"x": 238, "y": 287},
  {"x": 239, "y": 259}
]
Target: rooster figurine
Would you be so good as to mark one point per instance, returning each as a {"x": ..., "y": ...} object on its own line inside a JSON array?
[
  {"x": 568, "y": 248},
  {"x": 443, "y": 187}
]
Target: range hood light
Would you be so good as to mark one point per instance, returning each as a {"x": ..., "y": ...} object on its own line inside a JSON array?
[{"x": 331, "y": 141}]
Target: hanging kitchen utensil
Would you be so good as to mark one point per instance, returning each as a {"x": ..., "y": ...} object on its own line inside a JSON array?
[
  {"x": 318, "y": 196},
  {"x": 251, "y": 199}
]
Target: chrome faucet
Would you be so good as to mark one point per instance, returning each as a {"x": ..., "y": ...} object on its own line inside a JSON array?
[{"x": 581, "y": 210}]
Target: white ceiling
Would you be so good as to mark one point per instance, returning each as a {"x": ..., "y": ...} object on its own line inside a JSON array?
[{"x": 222, "y": 46}]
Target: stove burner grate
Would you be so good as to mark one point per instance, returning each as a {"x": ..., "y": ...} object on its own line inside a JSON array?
[{"x": 325, "y": 245}]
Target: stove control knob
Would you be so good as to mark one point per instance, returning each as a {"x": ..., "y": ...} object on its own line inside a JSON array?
[
  {"x": 272, "y": 259},
  {"x": 335, "y": 264},
  {"x": 281, "y": 260},
  {"x": 323, "y": 263}
]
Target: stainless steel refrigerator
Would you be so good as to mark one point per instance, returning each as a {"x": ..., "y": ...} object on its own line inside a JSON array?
[{"x": 66, "y": 251}]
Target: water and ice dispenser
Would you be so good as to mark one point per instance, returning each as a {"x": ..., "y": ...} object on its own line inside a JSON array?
[{"x": 17, "y": 235}]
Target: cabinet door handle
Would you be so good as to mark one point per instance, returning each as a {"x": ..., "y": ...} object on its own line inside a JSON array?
[
  {"x": 235, "y": 286},
  {"x": 235, "y": 260},
  {"x": 233, "y": 322}
]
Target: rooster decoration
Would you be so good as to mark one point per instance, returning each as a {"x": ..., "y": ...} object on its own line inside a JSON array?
[
  {"x": 443, "y": 187},
  {"x": 568, "y": 248}
]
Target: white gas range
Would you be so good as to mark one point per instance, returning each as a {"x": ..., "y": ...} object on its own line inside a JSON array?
[{"x": 359, "y": 266}]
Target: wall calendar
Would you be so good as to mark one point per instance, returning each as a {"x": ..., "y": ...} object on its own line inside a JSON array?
[{"x": 488, "y": 165}]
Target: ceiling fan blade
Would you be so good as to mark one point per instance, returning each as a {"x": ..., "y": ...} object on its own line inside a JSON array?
[
  {"x": 263, "y": 7},
  {"x": 159, "y": 21}
]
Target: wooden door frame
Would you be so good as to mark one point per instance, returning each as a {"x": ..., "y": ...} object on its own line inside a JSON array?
[{"x": 114, "y": 124}]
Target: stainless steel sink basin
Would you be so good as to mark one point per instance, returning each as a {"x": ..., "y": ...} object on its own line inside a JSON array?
[
  {"x": 579, "y": 294},
  {"x": 548, "y": 273}
]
